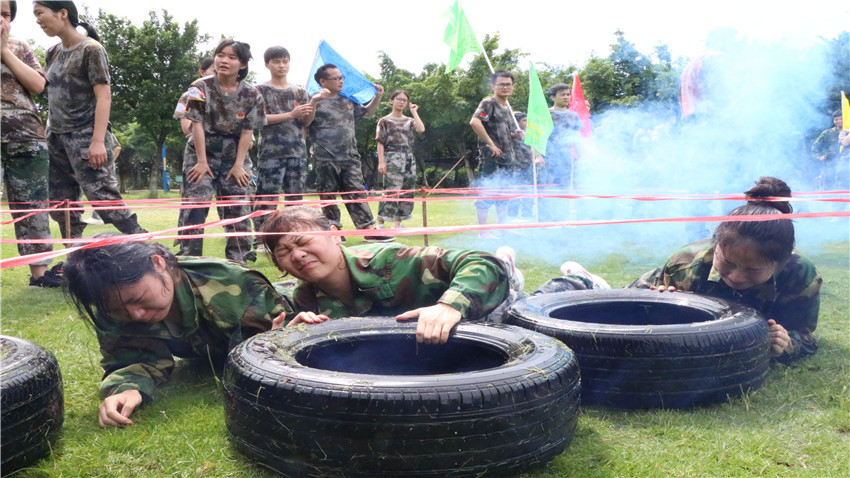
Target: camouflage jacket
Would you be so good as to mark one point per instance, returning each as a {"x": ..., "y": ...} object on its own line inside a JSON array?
[
  {"x": 19, "y": 120},
  {"x": 564, "y": 136},
  {"x": 332, "y": 134},
  {"x": 498, "y": 121},
  {"x": 72, "y": 74},
  {"x": 827, "y": 145},
  {"x": 791, "y": 296},
  {"x": 391, "y": 279},
  {"x": 221, "y": 304},
  {"x": 395, "y": 133},
  {"x": 222, "y": 114},
  {"x": 284, "y": 139}
]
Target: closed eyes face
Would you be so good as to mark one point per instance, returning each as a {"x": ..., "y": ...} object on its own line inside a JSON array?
[
  {"x": 742, "y": 265},
  {"x": 310, "y": 258},
  {"x": 148, "y": 300}
]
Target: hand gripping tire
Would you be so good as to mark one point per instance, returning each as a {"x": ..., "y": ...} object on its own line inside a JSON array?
[
  {"x": 359, "y": 397},
  {"x": 31, "y": 400},
  {"x": 646, "y": 349}
]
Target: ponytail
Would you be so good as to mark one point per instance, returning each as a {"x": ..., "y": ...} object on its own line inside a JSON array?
[{"x": 73, "y": 16}]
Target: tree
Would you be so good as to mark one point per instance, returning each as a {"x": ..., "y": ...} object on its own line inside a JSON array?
[{"x": 150, "y": 67}]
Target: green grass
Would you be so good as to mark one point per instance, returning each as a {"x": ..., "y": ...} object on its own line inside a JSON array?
[{"x": 798, "y": 424}]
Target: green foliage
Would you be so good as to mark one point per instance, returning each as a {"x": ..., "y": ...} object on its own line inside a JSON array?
[{"x": 151, "y": 66}]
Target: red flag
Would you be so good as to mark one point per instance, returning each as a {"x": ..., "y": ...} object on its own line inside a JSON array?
[{"x": 578, "y": 105}]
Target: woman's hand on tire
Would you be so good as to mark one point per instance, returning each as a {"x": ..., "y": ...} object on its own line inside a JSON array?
[
  {"x": 115, "y": 409},
  {"x": 663, "y": 288},
  {"x": 302, "y": 318},
  {"x": 779, "y": 338},
  {"x": 435, "y": 322}
]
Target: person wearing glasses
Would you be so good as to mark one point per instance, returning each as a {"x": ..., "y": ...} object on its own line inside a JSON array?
[
  {"x": 334, "y": 148},
  {"x": 494, "y": 124}
]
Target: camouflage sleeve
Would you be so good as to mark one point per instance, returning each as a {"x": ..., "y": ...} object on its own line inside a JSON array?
[
  {"x": 478, "y": 282},
  {"x": 25, "y": 53},
  {"x": 196, "y": 102},
  {"x": 648, "y": 279},
  {"x": 133, "y": 363},
  {"x": 255, "y": 118},
  {"x": 180, "y": 108},
  {"x": 798, "y": 305},
  {"x": 359, "y": 110},
  {"x": 484, "y": 111},
  {"x": 97, "y": 64},
  {"x": 381, "y": 132}
]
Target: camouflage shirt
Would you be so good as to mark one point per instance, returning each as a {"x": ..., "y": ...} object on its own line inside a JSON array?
[
  {"x": 226, "y": 115},
  {"x": 391, "y": 279},
  {"x": 332, "y": 134},
  {"x": 221, "y": 304},
  {"x": 19, "y": 119},
  {"x": 498, "y": 121},
  {"x": 72, "y": 74},
  {"x": 181, "y": 106},
  {"x": 791, "y": 296},
  {"x": 284, "y": 139},
  {"x": 827, "y": 145},
  {"x": 566, "y": 134},
  {"x": 395, "y": 133}
]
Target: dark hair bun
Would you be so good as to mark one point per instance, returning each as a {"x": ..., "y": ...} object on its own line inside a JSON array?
[{"x": 769, "y": 187}]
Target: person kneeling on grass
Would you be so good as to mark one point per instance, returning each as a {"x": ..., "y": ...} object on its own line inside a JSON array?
[
  {"x": 439, "y": 287},
  {"x": 752, "y": 263},
  {"x": 148, "y": 306}
]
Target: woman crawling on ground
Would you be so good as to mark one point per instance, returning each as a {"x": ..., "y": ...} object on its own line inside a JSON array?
[
  {"x": 439, "y": 287},
  {"x": 148, "y": 306},
  {"x": 752, "y": 263}
]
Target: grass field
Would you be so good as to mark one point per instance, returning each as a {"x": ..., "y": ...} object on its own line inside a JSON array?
[{"x": 798, "y": 424}]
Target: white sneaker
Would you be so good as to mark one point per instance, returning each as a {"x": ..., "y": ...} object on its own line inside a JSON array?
[
  {"x": 93, "y": 221},
  {"x": 576, "y": 269},
  {"x": 508, "y": 256},
  {"x": 262, "y": 249}
]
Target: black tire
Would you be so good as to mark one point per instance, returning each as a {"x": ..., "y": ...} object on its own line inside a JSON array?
[
  {"x": 644, "y": 349},
  {"x": 31, "y": 400},
  {"x": 495, "y": 400}
]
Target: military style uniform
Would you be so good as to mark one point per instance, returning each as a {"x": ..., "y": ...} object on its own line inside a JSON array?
[
  {"x": 559, "y": 169},
  {"x": 282, "y": 163},
  {"x": 72, "y": 74},
  {"x": 791, "y": 297},
  {"x": 495, "y": 172},
  {"x": 834, "y": 169},
  {"x": 221, "y": 304},
  {"x": 522, "y": 173},
  {"x": 338, "y": 167},
  {"x": 24, "y": 154},
  {"x": 396, "y": 134},
  {"x": 223, "y": 118},
  {"x": 393, "y": 278}
]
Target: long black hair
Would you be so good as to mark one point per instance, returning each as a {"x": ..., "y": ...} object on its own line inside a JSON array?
[
  {"x": 73, "y": 16},
  {"x": 775, "y": 238},
  {"x": 93, "y": 274}
]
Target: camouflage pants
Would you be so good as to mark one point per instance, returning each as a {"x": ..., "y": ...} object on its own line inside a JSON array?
[
  {"x": 401, "y": 174},
  {"x": 276, "y": 175},
  {"x": 494, "y": 176},
  {"x": 559, "y": 173},
  {"x": 70, "y": 173},
  {"x": 338, "y": 176},
  {"x": 221, "y": 155},
  {"x": 25, "y": 169}
]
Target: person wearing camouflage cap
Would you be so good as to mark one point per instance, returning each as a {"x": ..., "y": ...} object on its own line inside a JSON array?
[{"x": 148, "y": 306}]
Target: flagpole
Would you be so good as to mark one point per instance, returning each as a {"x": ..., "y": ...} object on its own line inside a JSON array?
[{"x": 315, "y": 57}]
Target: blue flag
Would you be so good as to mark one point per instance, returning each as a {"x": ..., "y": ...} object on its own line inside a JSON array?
[{"x": 355, "y": 86}]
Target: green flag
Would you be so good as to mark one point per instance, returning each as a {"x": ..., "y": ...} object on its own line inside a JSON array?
[
  {"x": 539, "y": 119},
  {"x": 458, "y": 36}
]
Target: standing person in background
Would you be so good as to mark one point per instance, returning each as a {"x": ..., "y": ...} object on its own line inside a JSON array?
[
  {"x": 395, "y": 156},
  {"x": 116, "y": 150},
  {"x": 24, "y": 147},
  {"x": 224, "y": 111},
  {"x": 334, "y": 146},
  {"x": 558, "y": 166},
  {"x": 493, "y": 123},
  {"x": 833, "y": 159},
  {"x": 282, "y": 162},
  {"x": 79, "y": 98}
]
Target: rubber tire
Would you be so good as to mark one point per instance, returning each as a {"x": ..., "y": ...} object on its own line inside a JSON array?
[
  {"x": 31, "y": 400},
  {"x": 289, "y": 408},
  {"x": 639, "y": 348}
]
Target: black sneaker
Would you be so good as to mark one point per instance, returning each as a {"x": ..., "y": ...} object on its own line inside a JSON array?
[
  {"x": 250, "y": 256},
  {"x": 378, "y": 238},
  {"x": 50, "y": 279}
]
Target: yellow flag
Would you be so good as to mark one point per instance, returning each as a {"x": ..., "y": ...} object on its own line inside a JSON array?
[{"x": 845, "y": 111}]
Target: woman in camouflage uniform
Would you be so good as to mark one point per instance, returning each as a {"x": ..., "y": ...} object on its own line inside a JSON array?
[
  {"x": 148, "y": 306},
  {"x": 395, "y": 157},
  {"x": 439, "y": 286},
  {"x": 225, "y": 111}
]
